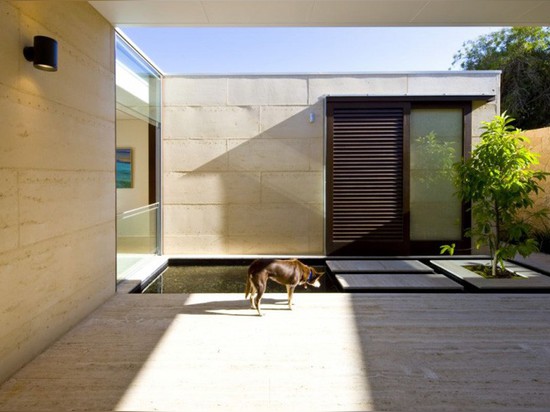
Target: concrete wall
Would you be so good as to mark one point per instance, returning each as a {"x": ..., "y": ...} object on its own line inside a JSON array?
[
  {"x": 243, "y": 165},
  {"x": 57, "y": 196}
]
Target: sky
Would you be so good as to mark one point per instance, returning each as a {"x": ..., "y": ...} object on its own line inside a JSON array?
[{"x": 179, "y": 50}]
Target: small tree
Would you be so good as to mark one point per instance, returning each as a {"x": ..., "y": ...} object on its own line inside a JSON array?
[{"x": 499, "y": 181}]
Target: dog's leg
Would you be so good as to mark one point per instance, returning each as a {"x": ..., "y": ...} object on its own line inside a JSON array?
[
  {"x": 290, "y": 293},
  {"x": 250, "y": 291},
  {"x": 260, "y": 289},
  {"x": 247, "y": 288},
  {"x": 252, "y": 295}
]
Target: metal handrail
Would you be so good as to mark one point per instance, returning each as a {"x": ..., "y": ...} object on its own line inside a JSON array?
[{"x": 138, "y": 211}]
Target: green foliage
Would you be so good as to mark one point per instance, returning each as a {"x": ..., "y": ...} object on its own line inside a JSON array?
[
  {"x": 450, "y": 249},
  {"x": 523, "y": 55},
  {"x": 499, "y": 181}
]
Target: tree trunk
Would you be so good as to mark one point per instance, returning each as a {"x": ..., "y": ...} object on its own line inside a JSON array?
[{"x": 497, "y": 240}]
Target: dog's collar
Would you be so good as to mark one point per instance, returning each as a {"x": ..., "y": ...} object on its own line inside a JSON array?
[{"x": 310, "y": 276}]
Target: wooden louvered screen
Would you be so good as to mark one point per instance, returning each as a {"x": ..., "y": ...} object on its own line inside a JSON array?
[{"x": 366, "y": 179}]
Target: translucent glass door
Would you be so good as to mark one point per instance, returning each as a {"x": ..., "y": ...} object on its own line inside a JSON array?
[{"x": 436, "y": 137}]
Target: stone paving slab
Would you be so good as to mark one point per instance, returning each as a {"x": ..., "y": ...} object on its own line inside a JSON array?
[
  {"x": 334, "y": 351},
  {"x": 537, "y": 261},
  {"x": 401, "y": 282},
  {"x": 378, "y": 266}
]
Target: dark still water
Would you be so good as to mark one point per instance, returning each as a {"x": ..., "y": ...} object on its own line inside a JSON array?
[{"x": 221, "y": 279}]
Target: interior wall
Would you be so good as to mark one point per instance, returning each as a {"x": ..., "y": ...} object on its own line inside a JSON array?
[
  {"x": 57, "y": 180},
  {"x": 243, "y": 160},
  {"x": 134, "y": 134}
]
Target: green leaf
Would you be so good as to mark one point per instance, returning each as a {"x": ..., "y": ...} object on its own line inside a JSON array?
[{"x": 450, "y": 249}]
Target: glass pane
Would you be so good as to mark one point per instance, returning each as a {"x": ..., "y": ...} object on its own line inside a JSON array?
[
  {"x": 138, "y": 84},
  {"x": 137, "y": 132},
  {"x": 136, "y": 238},
  {"x": 436, "y": 143}
]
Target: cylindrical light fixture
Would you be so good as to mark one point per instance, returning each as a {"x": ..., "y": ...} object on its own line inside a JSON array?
[{"x": 43, "y": 54}]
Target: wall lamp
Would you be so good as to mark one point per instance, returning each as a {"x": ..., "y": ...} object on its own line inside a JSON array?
[{"x": 43, "y": 54}]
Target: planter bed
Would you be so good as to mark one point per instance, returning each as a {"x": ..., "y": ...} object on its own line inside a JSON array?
[{"x": 530, "y": 281}]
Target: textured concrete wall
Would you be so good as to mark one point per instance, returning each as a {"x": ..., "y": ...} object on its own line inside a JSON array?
[
  {"x": 57, "y": 196},
  {"x": 243, "y": 165}
]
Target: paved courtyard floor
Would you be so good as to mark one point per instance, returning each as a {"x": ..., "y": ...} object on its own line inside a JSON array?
[{"x": 379, "y": 352}]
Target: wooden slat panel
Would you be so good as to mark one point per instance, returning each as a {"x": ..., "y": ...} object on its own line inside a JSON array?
[{"x": 367, "y": 174}]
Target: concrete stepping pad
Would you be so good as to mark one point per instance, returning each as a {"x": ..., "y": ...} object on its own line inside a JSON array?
[
  {"x": 393, "y": 282},
  {"x": 378, "y": 266}
]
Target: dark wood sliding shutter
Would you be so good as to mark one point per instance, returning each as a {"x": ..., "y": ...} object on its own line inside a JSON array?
[{"x": 366, "y": 182}]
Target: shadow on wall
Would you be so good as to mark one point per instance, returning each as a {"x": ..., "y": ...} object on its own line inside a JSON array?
[{"x": 258, "y": 195}]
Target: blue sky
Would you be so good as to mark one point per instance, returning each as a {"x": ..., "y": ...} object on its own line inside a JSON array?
[{"x": 301, "y": 50}]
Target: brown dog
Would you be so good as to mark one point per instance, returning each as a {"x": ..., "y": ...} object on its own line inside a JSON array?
[{"x": 290, "y": 273}]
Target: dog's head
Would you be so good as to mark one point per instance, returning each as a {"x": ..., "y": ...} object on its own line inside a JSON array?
[{"x": 313, "y": 278}]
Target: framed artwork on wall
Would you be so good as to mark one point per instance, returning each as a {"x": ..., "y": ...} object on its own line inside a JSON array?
[{"x": 124, "y": 168}]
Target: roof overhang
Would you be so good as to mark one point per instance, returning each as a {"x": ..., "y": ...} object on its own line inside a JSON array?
[
  {"x": 313, "y": 13},
  {"x": 413, "y": 98}
]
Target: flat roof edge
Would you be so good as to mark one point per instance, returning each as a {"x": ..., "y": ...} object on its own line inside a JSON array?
[
  {"x": 472, "y": 73},
  {"x": 412, "y": 97}
]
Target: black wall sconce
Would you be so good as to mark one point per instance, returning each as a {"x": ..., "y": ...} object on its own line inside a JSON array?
[{"x": 43, "y": 54}]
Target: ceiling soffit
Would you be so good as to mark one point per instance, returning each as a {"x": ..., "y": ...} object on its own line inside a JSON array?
[{"x": 325, "y": 12}]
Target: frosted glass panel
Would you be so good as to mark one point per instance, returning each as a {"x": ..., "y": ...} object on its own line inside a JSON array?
[{"x": 436, "y": 143}]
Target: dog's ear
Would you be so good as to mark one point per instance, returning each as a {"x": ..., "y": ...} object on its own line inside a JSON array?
[{"x": 315, "y": 277}]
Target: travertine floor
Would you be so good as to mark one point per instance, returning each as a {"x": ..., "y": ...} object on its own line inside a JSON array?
[{"x": 431, "y": 352}]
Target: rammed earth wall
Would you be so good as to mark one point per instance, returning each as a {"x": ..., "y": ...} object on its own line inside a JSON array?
[
  {"x": 57, "y": 179},
  {"x": 243, "y": 162}
]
